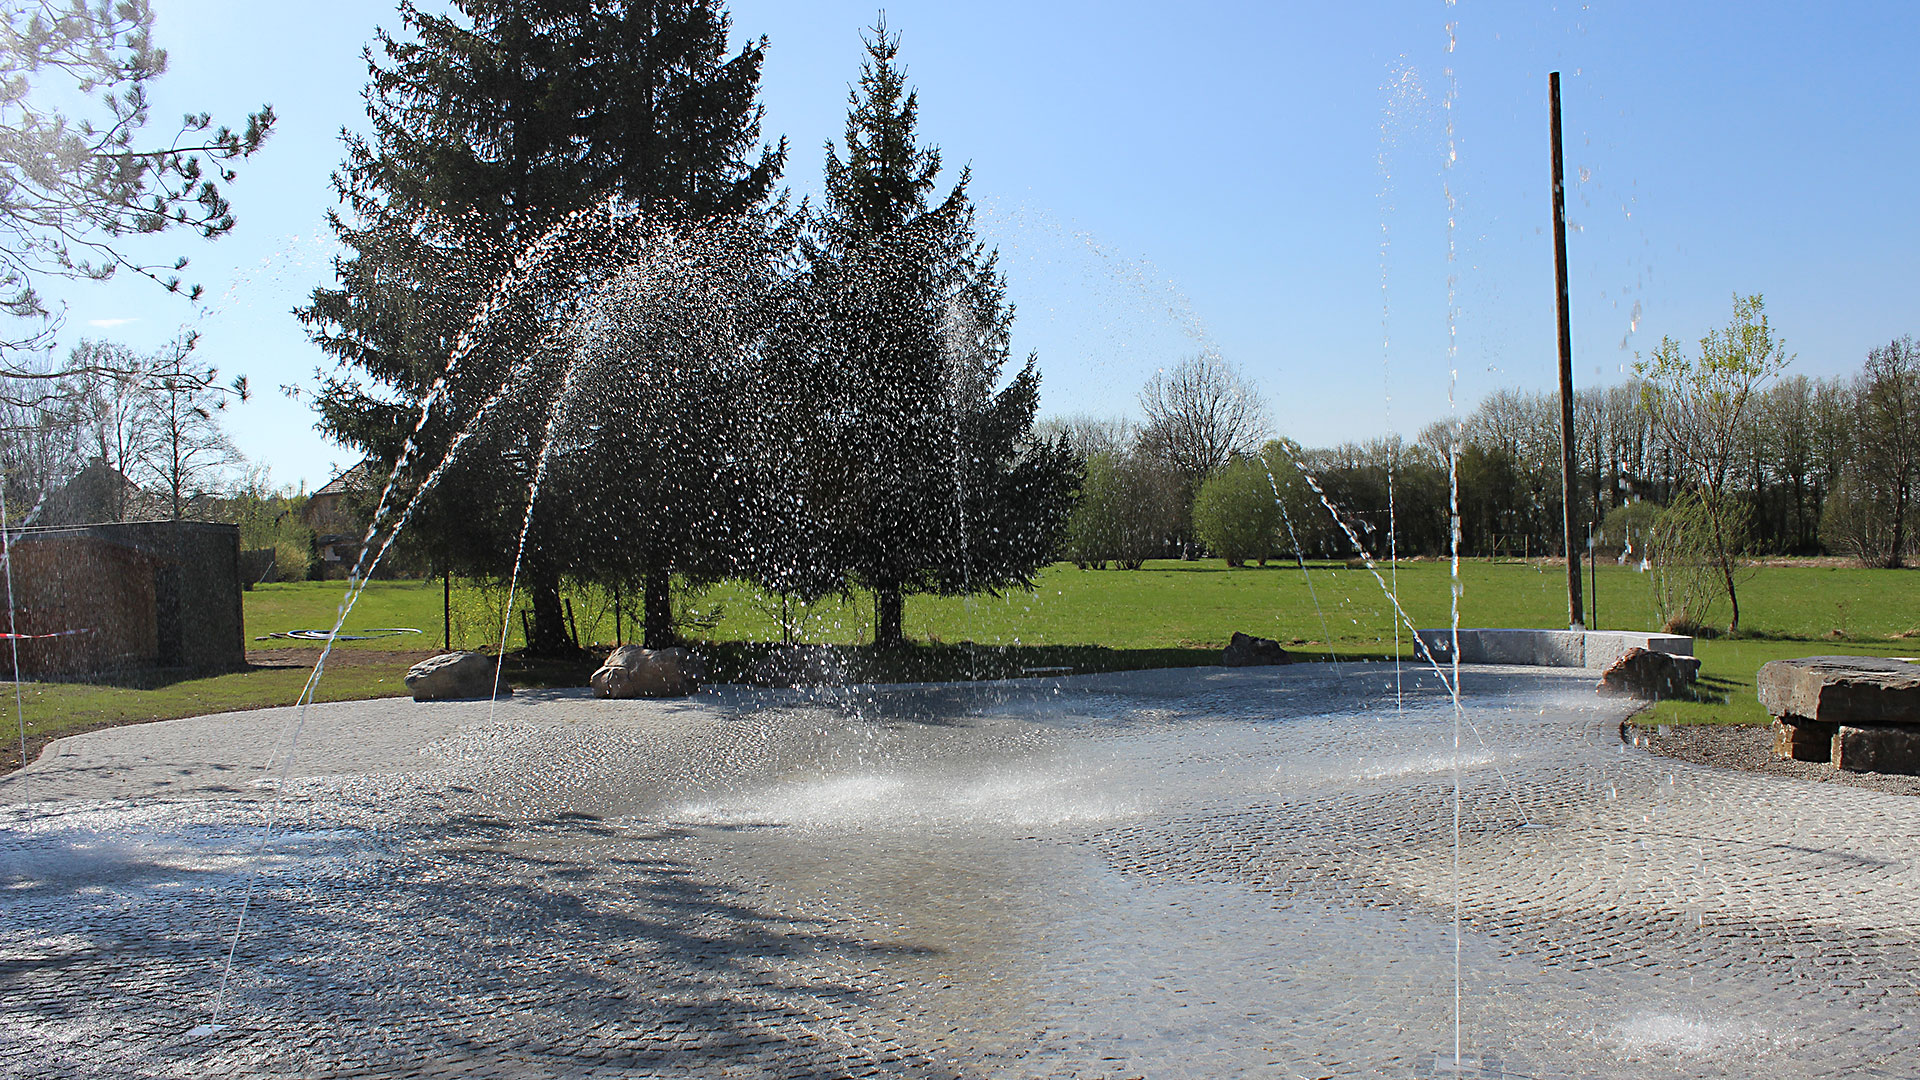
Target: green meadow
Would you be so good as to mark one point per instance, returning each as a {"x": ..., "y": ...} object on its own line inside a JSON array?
[{"x": 1167, "y": 604}]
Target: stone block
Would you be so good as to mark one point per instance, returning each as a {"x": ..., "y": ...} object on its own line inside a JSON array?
[
  {"x": 1799, "y": 739},
  {"x": 1595, "y": 649},
  {"x": 455, "y": 676},
  {"x": 1857, "y": 691},
  {"x": 1600, "y": 648},
  {"x": 1884, "y": 749}
]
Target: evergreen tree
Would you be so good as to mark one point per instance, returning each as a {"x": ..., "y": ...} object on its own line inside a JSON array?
[
  {"x": 490, "y": 127},
  {"x": 921, "y": 472},
  {"x": 670, "y": 421}
]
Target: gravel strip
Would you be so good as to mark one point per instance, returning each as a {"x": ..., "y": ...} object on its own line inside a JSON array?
[{"x": 1749, "y": 748}]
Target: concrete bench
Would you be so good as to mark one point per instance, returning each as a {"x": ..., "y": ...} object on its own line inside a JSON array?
[{"x": 1596, "y": 649}]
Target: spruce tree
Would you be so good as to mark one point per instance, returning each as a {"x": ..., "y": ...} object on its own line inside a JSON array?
[
  {"x": 922, "y": 471},
  {"x": 667, "y": 425},
  {"x": 490, "y": 125}
]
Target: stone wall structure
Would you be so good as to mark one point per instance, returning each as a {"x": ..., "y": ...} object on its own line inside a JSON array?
[{"x": 103, "y": 599}]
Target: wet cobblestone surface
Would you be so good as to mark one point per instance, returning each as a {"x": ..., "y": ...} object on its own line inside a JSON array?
[{"x": 1164, "y": 874}]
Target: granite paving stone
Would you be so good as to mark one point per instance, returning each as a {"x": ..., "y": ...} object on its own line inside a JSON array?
[{"x": 1206, "y": 873}]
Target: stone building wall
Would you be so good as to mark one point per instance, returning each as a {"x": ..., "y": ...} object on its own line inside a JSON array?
[{"x": 103, "y": 599}]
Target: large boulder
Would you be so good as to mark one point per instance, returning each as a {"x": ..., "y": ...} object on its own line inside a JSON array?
[
  {"x": 1647, "y": 673},
  {"x": 455, "y": 676},
  {"x": 1245, "y": 650},
  {"x": 634, "y": 672}
]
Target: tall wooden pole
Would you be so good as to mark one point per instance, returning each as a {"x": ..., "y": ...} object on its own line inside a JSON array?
[{"x": 1574, "y": 606}]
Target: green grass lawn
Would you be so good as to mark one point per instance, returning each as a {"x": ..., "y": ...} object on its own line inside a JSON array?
[
  {"x": 1168, "y": 604},
  {"x": 314, "y": 605},
  {"x": 1168, "y": 613},
  {"x": 50, "y": 710}
]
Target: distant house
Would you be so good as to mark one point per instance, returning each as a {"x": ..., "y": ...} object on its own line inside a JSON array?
[
  {"x": 96, "y": 493},
  {"x": 107, "y": 598},
  {"x": 333, "y": 513}
]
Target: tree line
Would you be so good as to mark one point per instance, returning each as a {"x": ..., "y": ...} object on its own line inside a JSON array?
[
  {"x": 1794, "y": 465},
  {"x": 122, "y": 435}
]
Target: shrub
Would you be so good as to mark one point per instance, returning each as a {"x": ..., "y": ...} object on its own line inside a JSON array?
[
  {"x": 1685, "y": 571},
  {"x": 1237, "y": 514},
  {"x": 1129, "y": 511}
]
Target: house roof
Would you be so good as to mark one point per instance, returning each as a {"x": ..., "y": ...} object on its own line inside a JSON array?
[
  {"x": 98, "y": 492},
  {"x": 354, "y": 479}
]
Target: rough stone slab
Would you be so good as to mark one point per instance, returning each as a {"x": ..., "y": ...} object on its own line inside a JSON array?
[
  {"x": 1802, "y": 740},
  {"x": 1857, "y": 691},
  {"x": 1596, "y": 649},
  {"x": 1884, "y": 749}
]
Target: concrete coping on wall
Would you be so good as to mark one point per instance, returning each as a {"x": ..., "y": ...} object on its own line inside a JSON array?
[{"x": 1595, "y": 649}]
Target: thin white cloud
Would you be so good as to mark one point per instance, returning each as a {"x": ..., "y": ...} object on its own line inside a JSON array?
[{"x": 108, "y": 324}]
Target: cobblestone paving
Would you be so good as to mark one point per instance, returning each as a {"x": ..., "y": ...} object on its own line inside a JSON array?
[{"x": 1167, "y": 874}]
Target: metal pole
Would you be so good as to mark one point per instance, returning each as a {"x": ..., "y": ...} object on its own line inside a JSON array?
[
  {"x": 446, "y": 610},
  {"x": 1593, "y": 581},
  {"x": 1592, "y": 573},
  {"x": 1574, "y": 613}
]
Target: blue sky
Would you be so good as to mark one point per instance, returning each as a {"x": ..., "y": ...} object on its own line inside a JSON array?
[{"x": 1161, "y": 178}]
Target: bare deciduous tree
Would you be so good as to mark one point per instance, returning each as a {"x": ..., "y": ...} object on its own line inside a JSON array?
[
  {"x": 114, "y": 410},
  {"x": 1089, "y": 435},
  {"x": 40, "y": 445},
  {"x": 1786, "y": 429},
  {"x": 1200, "y": 413},
  {"x": 1873, "y": 509},
  {"x": 187, "y": 449}
]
